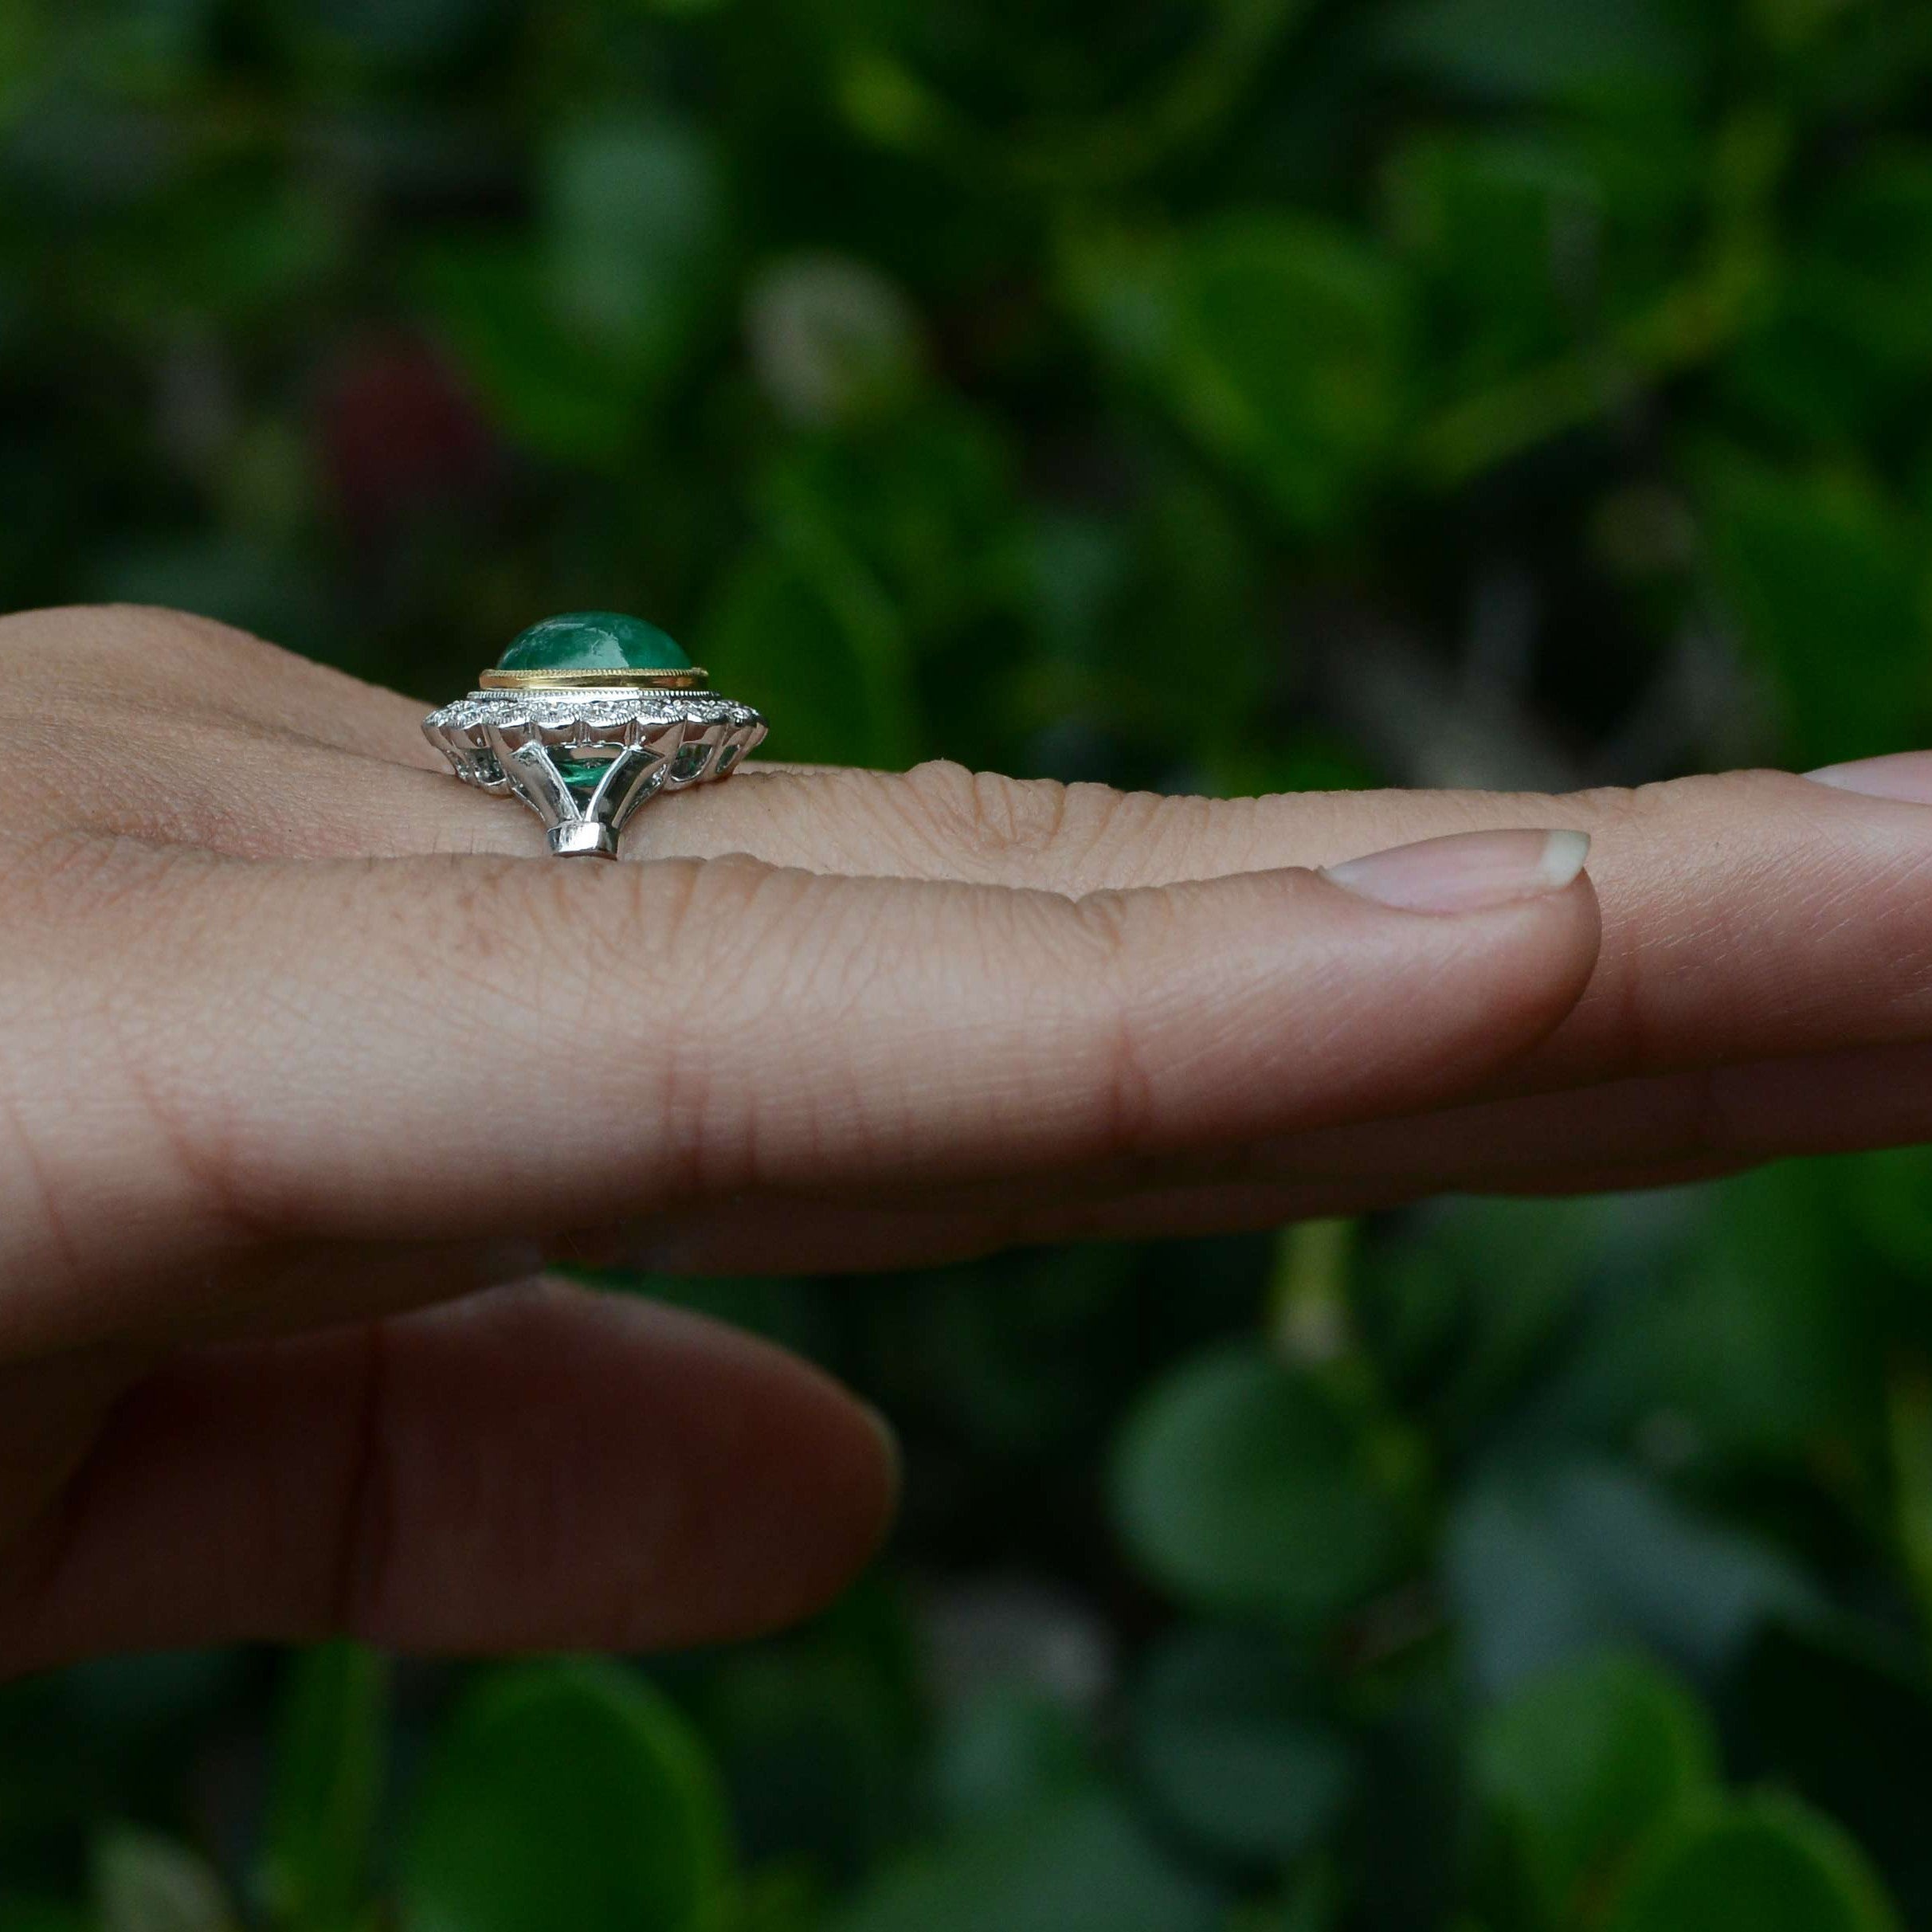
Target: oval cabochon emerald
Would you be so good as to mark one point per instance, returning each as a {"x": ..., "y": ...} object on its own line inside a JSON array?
[{"x": 593, "y": 640}]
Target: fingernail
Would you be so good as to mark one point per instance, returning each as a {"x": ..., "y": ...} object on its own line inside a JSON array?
[
  {"x": 1465, "y": 871},
  {"x": 1902, "y": 775}
]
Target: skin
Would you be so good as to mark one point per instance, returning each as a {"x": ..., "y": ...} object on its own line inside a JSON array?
[{"x": 287, "y": 1136}]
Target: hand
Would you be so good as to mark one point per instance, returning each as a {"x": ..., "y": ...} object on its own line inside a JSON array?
[{"x": 306, "y": 1051}]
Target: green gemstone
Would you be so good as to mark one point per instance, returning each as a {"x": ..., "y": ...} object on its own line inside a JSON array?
[
  {"x": 593, "y": 640},
  {"x": 583, "y": 771}
]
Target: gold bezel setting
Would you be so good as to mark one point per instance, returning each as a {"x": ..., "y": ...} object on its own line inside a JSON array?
[{"x": 697, "y": 678}]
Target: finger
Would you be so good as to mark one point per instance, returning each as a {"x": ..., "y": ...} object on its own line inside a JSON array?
[
  {"x": 1657, "y": 1131},
  {"x": 1664, "y": 996},
  {"x": 1663, "y": 1130},
  {"x": 1750, "y": 916},
  {"x": 1658, "y": 1127},
  {"x": 122, "y": 662},
  {"x": 1753, "y": 915},
  {"x": 859, "y": 1237},
  {"x": 459, "y": 1051},
  {"x": 534, "y": 1468},
  {"x": 218, "y": 740}
]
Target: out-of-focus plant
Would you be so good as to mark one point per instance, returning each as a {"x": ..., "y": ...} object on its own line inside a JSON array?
[{"x": 1233, "y": 395}]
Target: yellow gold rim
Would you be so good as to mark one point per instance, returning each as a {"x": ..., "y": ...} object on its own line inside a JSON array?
[{"x": 697, "y": 678}]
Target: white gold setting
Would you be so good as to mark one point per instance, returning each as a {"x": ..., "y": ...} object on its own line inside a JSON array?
[{"x": 584, "y": 760}]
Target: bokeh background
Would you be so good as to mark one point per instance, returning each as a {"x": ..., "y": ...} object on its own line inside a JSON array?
[{"x": 1223, "y": 395}]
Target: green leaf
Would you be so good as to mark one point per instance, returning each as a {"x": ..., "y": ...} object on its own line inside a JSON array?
[
  {"x": 923, "y": 501},
  {"x": 1006, "y": 1750},
  {"x": 1848, "y": 1725},
  {"x": 1231, "y": 1743},
  {"x": 1529, "y": 48},
  {"x": 1081, "y": 1864},
  {"x": 145, "y": 1883},
  {"x": 1838, "y": 356},
  {"x": 1805, "y": 556},
  {"x": 1286, "y": 353},
  {"x": 1712, "y": 1323},
  {"x": 489, "y": 303},
  {"x": 44, "y": 1915},
  {"x": 1254, "y": 1490},
  {"x": 382, "y": 33},
  {"x": 1762, "y": 1345},
  {"x": 1889, "y": 1196},
  {"x": 780, "y": 1899},
  {"x": 1480, "y": 214},
  {"x": 1579, "y": 1768},
  {"x": 816, "y": 1737},
  {"x": 1314, "y": 1904},
  {"x": 1763, "y": 1864},
  {"x": 1464, "y": 1319},
  {"x": 566, "y": 1794},
  {"x": 1563, "y": 1559},
  {"x": 327, "y": 1783},
  {"x": 633, "y": 214},
  {"x": 807, "y": 634},
  {"x": 229, "y": 250},
  {"x": 69, "y": 1739},
  {"x": 873, "y": 549}
]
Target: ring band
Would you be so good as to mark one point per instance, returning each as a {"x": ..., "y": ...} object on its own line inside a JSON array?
[{"x": 585, "y": 745}]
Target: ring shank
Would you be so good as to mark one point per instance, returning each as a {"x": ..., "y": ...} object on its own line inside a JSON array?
[{"x": 586, "y": 838}]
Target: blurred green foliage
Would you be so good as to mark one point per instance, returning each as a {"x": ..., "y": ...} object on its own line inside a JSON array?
[{"x": 1220, "y": 394}]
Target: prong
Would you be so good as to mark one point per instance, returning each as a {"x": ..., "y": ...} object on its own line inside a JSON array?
[
  {"x": 631, "y": 778},
  {"x": 535, "y": 778},
  {"x": 585, "y": 838},
  {"x": 693, "y": 762}
]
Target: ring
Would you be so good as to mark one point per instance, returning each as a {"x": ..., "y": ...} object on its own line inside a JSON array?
[{"x": 585, "y": 717}]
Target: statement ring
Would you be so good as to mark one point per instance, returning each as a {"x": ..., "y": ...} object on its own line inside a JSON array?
[{"x": 585, "y": 717}]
